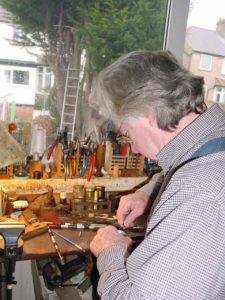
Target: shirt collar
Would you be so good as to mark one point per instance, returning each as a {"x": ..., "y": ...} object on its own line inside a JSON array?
[{"x": 191, "y": 138}]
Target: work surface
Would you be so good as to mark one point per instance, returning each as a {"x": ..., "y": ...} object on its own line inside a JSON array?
[{"x": 42, "y": 246}]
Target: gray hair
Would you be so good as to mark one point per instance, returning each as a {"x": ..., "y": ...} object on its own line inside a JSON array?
[{"x": 143, "y": 79}]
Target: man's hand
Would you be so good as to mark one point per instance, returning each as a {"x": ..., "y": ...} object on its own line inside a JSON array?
[
  {"x": 131, "y": 207},
  {"x": 107, "y": 237}
]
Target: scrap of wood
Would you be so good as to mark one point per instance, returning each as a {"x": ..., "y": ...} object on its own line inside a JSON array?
[{"x": 33, "y": 226}]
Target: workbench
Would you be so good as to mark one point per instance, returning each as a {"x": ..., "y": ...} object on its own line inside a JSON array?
[{"x": 41, "y": 246}]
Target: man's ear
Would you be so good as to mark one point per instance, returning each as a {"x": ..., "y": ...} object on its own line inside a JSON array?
[{"x": 152, "y": 117}]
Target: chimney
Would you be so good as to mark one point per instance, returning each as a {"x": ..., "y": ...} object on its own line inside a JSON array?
[{"x": 220, "y": 27}]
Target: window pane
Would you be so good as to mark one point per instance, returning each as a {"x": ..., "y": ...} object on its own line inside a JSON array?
[
  {"x": 7, "y": 75},
  {"x": 21, "y": 77},
  {"x": 40, "y": 82},
  {"x": 48, "y": 78},
  {"x": 206, "y": 61},
  {"x": 223, "y": 98},
  {"x": 34, "y": 72}
]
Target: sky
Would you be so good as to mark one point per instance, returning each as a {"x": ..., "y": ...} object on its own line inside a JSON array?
[{"x": 206, "y": 13}]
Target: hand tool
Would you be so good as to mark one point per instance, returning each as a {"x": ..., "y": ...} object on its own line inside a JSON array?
[
  {"x": 88, "y": 149},
  {"x": 69, "y": 241},
  {"x": 55, "y": 245}
]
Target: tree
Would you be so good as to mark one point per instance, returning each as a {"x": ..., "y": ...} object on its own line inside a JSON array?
[
  {"x": 111, "y": 28},
  {"x": 106, "y": 29},
  {"x": 46, "y": 25}
]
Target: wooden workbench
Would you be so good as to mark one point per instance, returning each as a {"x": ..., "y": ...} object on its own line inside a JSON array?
[{"x": 42, "y": 246}]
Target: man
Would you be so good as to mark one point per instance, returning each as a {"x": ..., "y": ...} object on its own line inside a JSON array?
[{"x": 160, "y": 106}]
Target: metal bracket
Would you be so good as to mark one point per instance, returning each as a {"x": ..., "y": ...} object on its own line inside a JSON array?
[{"x": 10, "y": 233}]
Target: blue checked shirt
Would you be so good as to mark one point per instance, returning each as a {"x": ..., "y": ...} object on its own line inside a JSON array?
[{"x": 183, "y": 254}]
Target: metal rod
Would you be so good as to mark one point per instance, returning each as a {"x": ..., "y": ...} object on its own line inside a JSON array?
[
  {"x": 55, "y": 245},
  {"x": 68, "y": 240}
]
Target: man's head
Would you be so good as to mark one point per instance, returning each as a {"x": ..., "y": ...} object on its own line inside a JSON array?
[{"x": 144, "y": 83}]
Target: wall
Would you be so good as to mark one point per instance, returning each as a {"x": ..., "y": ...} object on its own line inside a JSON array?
[
  {"x": 21, "y": 94},
  {"x": 11, "y": 58}
]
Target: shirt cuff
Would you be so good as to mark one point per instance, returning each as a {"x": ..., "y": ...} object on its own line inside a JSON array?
[{"x": 112, "y": 258}]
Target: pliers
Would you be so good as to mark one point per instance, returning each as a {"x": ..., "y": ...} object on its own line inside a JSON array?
[{"x": 89, "y": 149}]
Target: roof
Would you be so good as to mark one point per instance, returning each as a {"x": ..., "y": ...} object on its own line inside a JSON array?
[
  {"x": 5, "y": 16},
  {"x": 205, "y": 41},
  {"x": 22, "y": 63}
]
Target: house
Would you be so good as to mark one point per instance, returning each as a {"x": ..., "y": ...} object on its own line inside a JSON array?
[
  {"x": 23, "y": 76},
  {"x": 204, "y": 55}
]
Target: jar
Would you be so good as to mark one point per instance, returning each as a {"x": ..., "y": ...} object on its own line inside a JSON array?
[
  {"x": 63, "y": 198},
  {"x": 100, "y": 192},
  {"x": 89, "y": 194},
  {"x": 78, "y": 198},
  {"x": 78, "y": 191}
]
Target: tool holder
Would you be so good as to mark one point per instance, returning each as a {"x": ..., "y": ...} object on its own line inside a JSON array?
[{"x": 11, "y": 233}]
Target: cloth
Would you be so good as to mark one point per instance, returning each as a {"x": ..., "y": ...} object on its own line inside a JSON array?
[
  {"x": 10, "y": 150},
  {"x": 183, "y": 254}
]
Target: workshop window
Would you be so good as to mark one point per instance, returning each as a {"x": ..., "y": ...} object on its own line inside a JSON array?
[
  {"x": 219, "y": 95},
  {"x": 35, "y": 75},
  {"x": 206, "y": 62}
]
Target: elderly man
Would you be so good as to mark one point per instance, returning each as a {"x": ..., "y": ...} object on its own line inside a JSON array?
[{"x": 160, "y": 107}]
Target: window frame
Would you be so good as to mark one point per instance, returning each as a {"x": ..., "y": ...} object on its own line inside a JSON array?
[
  {"x": 175, "y": 27},
  {"x": 11, "y": 77},
  {"x": 220, "y": 93},
  {"x": 45, "y": 75},
  {"x": 201, "y": 67},
  {"x": 21, "y": 71},
  {"x": 6, "y": 77}
]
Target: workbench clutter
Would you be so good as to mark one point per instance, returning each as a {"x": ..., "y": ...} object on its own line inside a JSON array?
[
  {"x": 85, "y": 158},
  {"x": 88, "y": 159},
  {"x": 89, "y": 199},
  {"x": 53, "y": 197}
]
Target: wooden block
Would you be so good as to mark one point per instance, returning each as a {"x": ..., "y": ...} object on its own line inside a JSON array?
[
  {"x": 32, "y": 231},
  {"x": 33, "y": 226},
  {"x": 130, "y": 173},
  {"x": 29, "y": 216}
]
